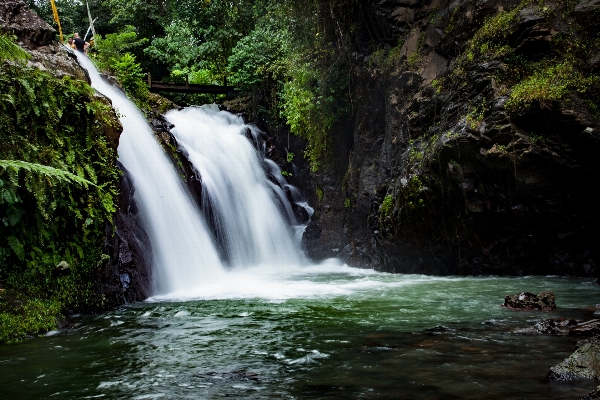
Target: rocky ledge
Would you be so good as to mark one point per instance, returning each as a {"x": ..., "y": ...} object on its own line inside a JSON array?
[{"x": 584, "y": 363}]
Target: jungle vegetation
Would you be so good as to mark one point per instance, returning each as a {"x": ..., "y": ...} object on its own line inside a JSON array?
[{"x": 284, "y": 55}]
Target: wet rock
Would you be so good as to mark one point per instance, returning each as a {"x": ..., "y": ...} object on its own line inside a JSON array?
[
  {"x": 436, "y": 66},
  {"x": 38, "y": 38},
  {"x": 17, "y": 18},
  {"x": 555, "y": 326},
  {"x": 437, "y": 329},
  {"x": 595, "y": 394},
  {"x": 584, "y": 10},
  {"x": 584, "y": 363},
  {"x": 529, "y": 301},
  {"x": 125, "y": 272},
  {"x": 586, "y": 329}
]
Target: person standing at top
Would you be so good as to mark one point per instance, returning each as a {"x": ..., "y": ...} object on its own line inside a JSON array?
[
  {"x": 71, "y": 44},
  {"x": 80, "y": 44}
]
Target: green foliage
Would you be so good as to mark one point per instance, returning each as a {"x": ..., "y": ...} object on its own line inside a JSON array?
[
  {"x": 490, "y": 39},
  {"x": 386, "y": 207},
  {"x": 114, "y": 45},
  {"x": 319, "y": 193},
  {"x": 305, "y": 113},
  {"x": 475, "y": 116},
  {"x": 9, "y": 50},
  {"x": 114, "y": 55},
  {"x": 130, "y": 75},
  {"x": 547, "y": 84},
  {"x": 414, "y": 60},
  {"x": 260, "y": 55},
  {"x": 58, "y": 187},
  {"x": 27, "y": 318},
  {"x": 51, "y": 173},
  {"x": 347, "y": 203},
  {"x": 537, "y": 139}
]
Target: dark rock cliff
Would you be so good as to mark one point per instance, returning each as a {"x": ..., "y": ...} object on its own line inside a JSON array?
[{"x": 473, "y": 147}]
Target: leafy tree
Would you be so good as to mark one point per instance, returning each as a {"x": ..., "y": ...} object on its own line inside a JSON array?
[
  {"x": 73, "y": 15},
  {"x": 114, "y": 54}
]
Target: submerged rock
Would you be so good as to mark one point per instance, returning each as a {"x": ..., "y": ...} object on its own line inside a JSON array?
[
  {"x": 555, "y": 326},
  {"x": 584, "y": 363},
  {"x": 595, "y": 394},
  {"x": 529, "y": 301},
  {"x": 586, "y": 329}
]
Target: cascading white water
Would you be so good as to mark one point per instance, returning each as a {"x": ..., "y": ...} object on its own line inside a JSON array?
[
  {"x": 251, "y": 216},
  {"x": 183, "y": 250},
  {"x": 248, "y": 211}
]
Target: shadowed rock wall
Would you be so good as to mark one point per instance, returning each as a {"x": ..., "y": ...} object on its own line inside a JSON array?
[{"x": 442, "y": 175}]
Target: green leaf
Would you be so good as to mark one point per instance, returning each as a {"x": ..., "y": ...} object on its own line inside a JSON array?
[{"x": 18, "y": 247}]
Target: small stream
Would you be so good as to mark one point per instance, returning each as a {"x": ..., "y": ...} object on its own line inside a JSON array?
[{"x": 326, "y": 331}]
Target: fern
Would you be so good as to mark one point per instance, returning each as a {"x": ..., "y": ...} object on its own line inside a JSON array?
[
  {"x": 50, "y": 172},
  {"x": 9, "y": 50}
]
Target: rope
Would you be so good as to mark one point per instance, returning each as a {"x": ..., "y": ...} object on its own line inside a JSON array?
[{"x": 55, "y": 12}]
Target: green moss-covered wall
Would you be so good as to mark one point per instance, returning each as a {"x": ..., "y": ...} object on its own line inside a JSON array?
[{"x": 58, "y": 190}]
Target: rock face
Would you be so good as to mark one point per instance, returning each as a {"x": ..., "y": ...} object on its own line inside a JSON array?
[
  {"x": 529, "y": 301},
  {"x": 38, "y": 38},
  {"x": 126, "y": 276},
  {"x": 584, "y": 363},
  {"x": 595, "y": 394},
  {"x": 435, "y": 173},
  {"x": 17, "y": 18}
]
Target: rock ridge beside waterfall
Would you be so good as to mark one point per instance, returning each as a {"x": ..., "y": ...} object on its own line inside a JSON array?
[
  {"x": 424, "y": 181},
  {"x": 124, "y": 272}
]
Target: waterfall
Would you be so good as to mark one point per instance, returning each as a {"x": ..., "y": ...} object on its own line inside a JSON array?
[
  {"x": 249, "y": 212},
  {"x": 251, "y": 217}
]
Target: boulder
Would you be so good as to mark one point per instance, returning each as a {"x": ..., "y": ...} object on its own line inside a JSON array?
[
  {"x": 529, "y": 301},
  {"x": 584, "y": 363},
  {"x": 566, "y": 326},
  {"x": 555, "y": 326},
  {"x": 18, "y": 19}
]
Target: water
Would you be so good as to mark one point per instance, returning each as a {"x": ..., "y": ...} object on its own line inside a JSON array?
[
  {"x": 252, "y": 221},
  {"x": 255, "y": 320},
  {"x": 183, "y": 249},
  {"x": 366, "y": 340},
  {"x": 250, "y": 212}
]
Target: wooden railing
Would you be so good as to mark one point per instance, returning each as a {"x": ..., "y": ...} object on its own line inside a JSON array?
[{"x": 159, "y": 86}]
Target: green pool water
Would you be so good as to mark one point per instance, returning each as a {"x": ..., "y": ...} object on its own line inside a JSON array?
[{"x": 346, "y": 334}]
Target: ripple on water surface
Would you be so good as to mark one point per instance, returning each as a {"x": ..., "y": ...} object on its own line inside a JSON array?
[{"x": 369, "y": 336}]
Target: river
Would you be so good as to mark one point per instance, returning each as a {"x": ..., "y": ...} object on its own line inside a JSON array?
[
  {"x": 238, "y": 311},
  {"x": 328, "y": 331}
]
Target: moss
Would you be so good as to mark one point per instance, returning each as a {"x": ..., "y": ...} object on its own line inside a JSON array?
[
  {"x": 319, "y": 193},
  {"x": 549, "y": 83},
  {"x": 414, "y": 61},
  {"x": 475, "y": 117},
  {"x": 385, "y": 209},
  {"x": 30, "y": 317},
  {"x": 58, "y": 191}
]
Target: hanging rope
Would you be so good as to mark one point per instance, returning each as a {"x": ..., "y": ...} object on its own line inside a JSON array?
[{"x": 55, "y": 12}]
